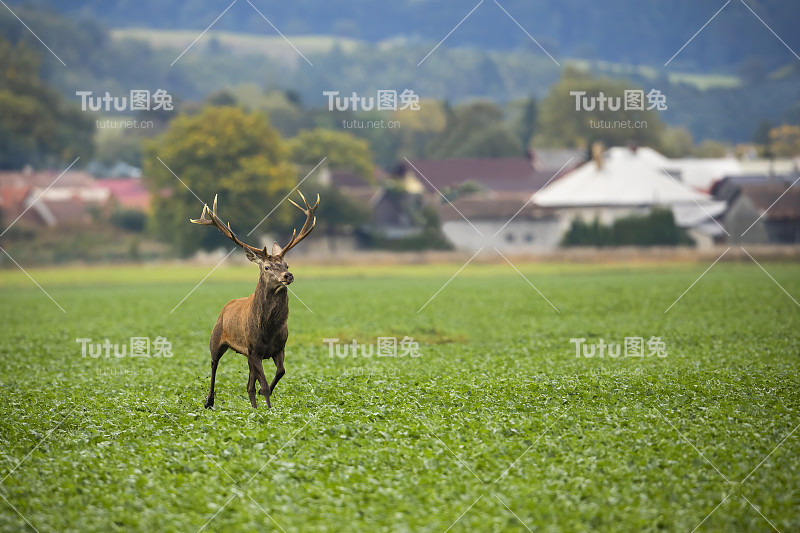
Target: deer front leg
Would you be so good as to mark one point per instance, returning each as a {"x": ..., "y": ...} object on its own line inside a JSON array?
[
  {"x": 251, "y": 385},
  {"x": 262, "y": 379},
  {"x": 279, "y": 371}
]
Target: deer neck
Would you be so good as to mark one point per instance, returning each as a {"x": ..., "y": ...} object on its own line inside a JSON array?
[{"x": 270, "y": 306}]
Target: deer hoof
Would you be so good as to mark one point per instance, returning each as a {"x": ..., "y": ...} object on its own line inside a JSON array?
[{"x": 209, "y": 403}]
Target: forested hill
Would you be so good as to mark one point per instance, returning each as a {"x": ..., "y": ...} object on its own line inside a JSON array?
[{"x": 645, "y": 32}]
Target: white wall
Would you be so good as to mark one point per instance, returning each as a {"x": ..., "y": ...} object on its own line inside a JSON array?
[{"x": 519, "y": 236}]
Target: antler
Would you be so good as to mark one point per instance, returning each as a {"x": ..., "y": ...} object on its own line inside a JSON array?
[
  {"x": 309, "y": 224},
  {"x": 226, "y": 230}
]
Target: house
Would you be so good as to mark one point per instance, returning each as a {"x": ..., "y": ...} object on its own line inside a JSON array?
[
  {"x": 48, "y": 199},
  {"x": 701, "y": 173},
  {"x": 491, "y": 190},
  {"x": 508, "y": 222},
  {"x": 621, "y": 182},
  {"x": 127, "y": 193},
  {"x": 455, "y": 176},
  {"x": 727, "y": 188},
  {"x": 771, "y": 167},
  {"x": 349, "y": 184},
  {"x": 764, "y": 212},
  {"x": 395, "y": 213}
]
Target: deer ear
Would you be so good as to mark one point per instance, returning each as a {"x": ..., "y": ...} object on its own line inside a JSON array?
[
  {"x": 276, "y": 248},
  {"x": 251, "y": 256}
]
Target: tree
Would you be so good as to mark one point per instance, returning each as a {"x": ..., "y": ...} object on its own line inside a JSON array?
[
  {"x": 222, "y": 98},
  {"x": 36, "y": 124},
  {"x": 529, "y": 117},
  {"x": 711, "y": 148},
  {"x": 560, "y": 124},
  {"x": 496, "y": 140},
  {"x": 476, "y": 130},
  {"x": 761, "y": 134},
  {"x": 785, "y": 140},
  {"x": 341, "y": 150},
  {"x": 676, "y": 142},
  {"x": 220, "y": 150}
]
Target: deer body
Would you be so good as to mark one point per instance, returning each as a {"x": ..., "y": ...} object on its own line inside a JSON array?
[{"x": 256, "y": 326}]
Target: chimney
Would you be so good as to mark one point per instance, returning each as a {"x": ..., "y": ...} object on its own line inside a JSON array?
[
  {"x": 530, "y": 155},
  {"x": 597, "y": 154}
]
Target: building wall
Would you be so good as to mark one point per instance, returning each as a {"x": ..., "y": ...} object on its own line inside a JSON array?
[
  {"x": 783, "y": 231},
  {"x": 519, "y": 236},
  {"x": 702, "y": 240}
]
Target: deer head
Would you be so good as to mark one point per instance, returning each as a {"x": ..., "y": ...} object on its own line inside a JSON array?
[{"x": 273, "y": 269}]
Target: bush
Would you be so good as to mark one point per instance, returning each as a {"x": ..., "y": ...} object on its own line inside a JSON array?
[
  {"x": 129, "y": 220},
  {"x": 657, "y": 228}
]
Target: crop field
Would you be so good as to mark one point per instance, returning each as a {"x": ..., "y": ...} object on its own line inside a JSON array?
[{"x": 491, "y": 423}]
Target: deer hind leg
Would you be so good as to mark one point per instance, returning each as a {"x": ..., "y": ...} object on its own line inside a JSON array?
[
  {"x": 279, "y": 371},
  {"x": 217, "y": 351}
]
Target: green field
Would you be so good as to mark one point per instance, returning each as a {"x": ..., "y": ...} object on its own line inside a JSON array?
[{"x": 496, "y": 426}]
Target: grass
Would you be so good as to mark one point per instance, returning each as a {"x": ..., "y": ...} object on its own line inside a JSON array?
[{"x": 497, "y": 422}]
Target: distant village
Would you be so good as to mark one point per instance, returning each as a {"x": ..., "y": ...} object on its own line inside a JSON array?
[{"x": 514, "y": 204}]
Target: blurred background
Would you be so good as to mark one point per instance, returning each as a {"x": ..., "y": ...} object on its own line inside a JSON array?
[{"x": 497, "y": 134}]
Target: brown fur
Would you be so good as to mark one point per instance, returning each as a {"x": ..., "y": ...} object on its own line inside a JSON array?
[{"x": 256, "y": 326}]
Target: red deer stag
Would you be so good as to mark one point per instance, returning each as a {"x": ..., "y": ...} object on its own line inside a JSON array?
[{"x": 256, "y": 326}]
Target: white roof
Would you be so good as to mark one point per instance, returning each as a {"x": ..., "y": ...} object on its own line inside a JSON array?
[
  {"x": 626, "y": 178},
  {"x": 695, "y": 215},
  {"x": 703, "y": 173}
]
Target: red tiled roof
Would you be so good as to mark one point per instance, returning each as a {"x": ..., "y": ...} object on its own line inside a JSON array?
[
  {"x": 129, "y": 193},
  {"x": 46, "y": 178}
]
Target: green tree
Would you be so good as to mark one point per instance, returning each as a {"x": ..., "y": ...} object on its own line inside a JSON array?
[
  {"x": 36, "y": 124},
  {"x": 220, "y": 150},
  {"x": 528, "y": 120},
  {"x": 476, "y": 130},
  {"x": 761, "y": 133},
  {"x": 676, "y": 142},
  {"x": 711, "y": 148},
  {"x": 560, "y": 124},
  {"x": 341, "y": 150},
  {"x": 785, "y": 140}
]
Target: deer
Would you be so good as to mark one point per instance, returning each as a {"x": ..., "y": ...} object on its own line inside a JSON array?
[{"x": 256, "y": 326}]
